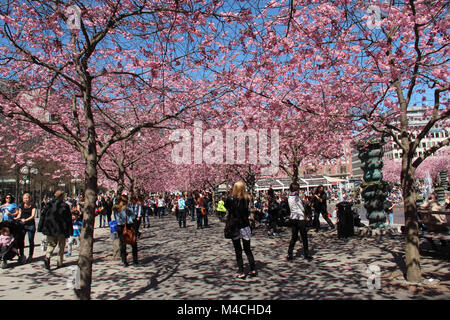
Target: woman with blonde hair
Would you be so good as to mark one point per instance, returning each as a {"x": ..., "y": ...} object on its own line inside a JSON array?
[
  {"x": 27, "y": 213},
  {"x": 237, "y": 206}
]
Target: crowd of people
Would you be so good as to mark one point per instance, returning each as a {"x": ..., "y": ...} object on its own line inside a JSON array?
[{"x": 61, "y": 218}]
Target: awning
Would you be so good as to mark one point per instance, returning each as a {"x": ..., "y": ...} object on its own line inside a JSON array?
[{"x": 331, "y": 179}]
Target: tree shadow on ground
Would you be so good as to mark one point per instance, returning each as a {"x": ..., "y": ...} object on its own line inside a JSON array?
[{"x": 196, "y": 264}]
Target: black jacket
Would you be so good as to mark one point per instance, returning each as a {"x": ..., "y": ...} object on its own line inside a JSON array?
[
  {"x": 190, "y": 202},
  {"x": 56, "y": 220},
  {"x": 238, "y": 211},
  {"x": 320, "y": 205}
]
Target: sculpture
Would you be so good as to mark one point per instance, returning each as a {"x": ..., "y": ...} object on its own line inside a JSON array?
[{"x": 373, "y": 190}]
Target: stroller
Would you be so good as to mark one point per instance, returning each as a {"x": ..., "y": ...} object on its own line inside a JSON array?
[{"x": 17, "y": 230}]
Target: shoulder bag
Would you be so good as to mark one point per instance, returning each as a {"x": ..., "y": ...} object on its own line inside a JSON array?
[
  {"x": 129, "y": 235},
  {"x": 231, "y": 229}
]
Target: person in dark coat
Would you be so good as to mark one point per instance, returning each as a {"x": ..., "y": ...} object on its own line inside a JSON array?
[
  {"x": 237, "y": 207},
  {"x": 320, "y": 208},
  {"x": 56, "y": 224},
  {"x": 273, "y": 212}
]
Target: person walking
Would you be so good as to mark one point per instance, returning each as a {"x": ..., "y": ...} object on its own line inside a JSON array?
[
  {"x": 190, "y": 203},
  {"x": 273, "y": 212},
  {"x": 154, "y": 204},
  {"x": 320, "y": 207},
  {"x": 161, "y": 206},
  {"x": 108, "y": 209},
  {"x": 237, "y": 207},
  {"x": 198, "y": 210},
  {"x": 389, "y": 207},
  {"x": 77, "y": 224},
  {"x": 204, "y": 209},
  {"x": 182, "y": 212},
  {"x": 56, "y": 224},
  {"x": 103, "y": 214},
  {"x": 298, "y": 221},
  {"x": 146, "y": 213},
  {"x": 136, "y": 206},
  {"x": 125, "y": 216},
  {"x": 27, "y": 213},
  {"x": 81, "y": 204}
]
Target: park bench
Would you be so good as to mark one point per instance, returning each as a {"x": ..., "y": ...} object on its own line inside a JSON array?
[{"x": 434, "y": 229}]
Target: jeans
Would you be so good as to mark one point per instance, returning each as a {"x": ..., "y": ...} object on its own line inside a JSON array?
[
  {"x": 103, "y": 220},
  {"x": 72, "y": 240},
  {"x": 137, "y": 225},
  {"x": 205, "y": 220},
  {"x": 160, "y": 212},
  {"x": 248, "y": 253},
  {"x": 390, "y": 217},
  {"x": 298, "y": 226},
  {"x": 30, "y": 230},
  {"x": 316, "y": 221},
  {"x": 182, "y": 217},
  {"x": 192, "y": 213},
  {"x": 199, "y": 218},
  {"x": 146, "y": 216}
]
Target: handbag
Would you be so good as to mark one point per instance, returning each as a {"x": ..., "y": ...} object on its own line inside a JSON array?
[
  {"x": 203, "y": 211},
  {"x": 129, "y": 235},
  {"x": 231, "y": 229}
]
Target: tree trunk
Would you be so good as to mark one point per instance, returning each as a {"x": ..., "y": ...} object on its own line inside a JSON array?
[
  {"x": 121, "y": 182},
  {"x": 295, "y": 172},
  {"x": 91, "y": 184},
  {"x": 213, "y": 199},
  {"x": 87, "y": 232},
  {"x": 132, "y": 187},
  {"x": 412, "y": 254}
]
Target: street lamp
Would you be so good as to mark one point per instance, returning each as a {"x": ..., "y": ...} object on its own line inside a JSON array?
[{"x": 27, "y": 171}]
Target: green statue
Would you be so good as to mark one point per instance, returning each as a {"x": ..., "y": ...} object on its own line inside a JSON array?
[{"x": 374, "y": 190}]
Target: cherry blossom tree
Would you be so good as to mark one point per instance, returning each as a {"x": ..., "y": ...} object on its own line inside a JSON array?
[
  {"x": 95, "y": 74},
  {"x": 331, "y": 59}
]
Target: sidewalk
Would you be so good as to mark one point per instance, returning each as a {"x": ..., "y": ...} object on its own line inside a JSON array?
[{"x": 200, "y": 264}]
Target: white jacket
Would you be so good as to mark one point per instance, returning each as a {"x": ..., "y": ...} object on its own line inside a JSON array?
[{"x": 296, "y": 207}]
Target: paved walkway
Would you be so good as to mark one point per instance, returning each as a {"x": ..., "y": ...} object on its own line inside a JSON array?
[{"x": 200, "y": 264}]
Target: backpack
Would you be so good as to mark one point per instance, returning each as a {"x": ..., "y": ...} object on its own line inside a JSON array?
[{"x": 43, "y": 214}]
